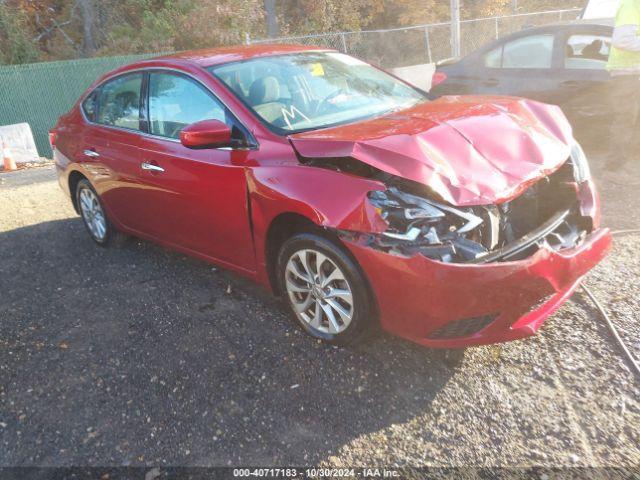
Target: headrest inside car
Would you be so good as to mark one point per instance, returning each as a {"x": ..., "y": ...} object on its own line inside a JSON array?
[{"x": 264, "y": 90}]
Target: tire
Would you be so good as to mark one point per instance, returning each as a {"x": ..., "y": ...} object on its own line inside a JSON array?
[
  {"x": 340, "y": 308},
  {"x": 94, "y": 217}
]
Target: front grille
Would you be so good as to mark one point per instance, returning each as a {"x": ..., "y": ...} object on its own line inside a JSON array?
[
  {"x": 462, "y": 328},
  {"x": 546, "y": 214},
  {"x": 537, "y": 204}
]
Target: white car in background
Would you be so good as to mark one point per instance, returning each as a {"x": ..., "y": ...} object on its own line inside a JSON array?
[{"x": 599, "y": 9}]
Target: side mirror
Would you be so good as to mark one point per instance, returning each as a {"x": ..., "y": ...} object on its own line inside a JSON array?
[{"x": 206, "y": 134}]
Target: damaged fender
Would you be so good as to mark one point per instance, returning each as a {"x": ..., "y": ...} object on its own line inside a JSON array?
[{"x": 327, "y": 198}]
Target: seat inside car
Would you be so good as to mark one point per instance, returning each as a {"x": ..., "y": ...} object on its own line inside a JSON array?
[
  {"x": 569, "y": 53},
  {"x": 123, "y": 110},
  {"x": 264, "y": 96},
  {"x": 594, "y": 51}
]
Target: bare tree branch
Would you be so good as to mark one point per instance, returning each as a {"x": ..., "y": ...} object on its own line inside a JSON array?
[{"x": 48, "y": 31}]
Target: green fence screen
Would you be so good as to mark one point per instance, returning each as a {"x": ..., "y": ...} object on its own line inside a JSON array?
[{"x": 39, "y": 93}]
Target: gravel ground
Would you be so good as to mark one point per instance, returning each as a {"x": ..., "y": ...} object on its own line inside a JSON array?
[{"x": 138, "y": 355}]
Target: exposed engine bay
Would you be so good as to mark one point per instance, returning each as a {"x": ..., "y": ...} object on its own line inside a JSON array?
[{"x": 545, "y": 215}]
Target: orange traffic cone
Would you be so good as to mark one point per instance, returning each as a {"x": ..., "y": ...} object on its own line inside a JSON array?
[{"x": 8, "y": 162}]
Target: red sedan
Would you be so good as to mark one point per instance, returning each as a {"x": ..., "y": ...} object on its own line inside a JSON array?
[{"x": 456, "y": 222}]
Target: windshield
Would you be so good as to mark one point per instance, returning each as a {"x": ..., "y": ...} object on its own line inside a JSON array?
[{"x": 311, "y": 90}]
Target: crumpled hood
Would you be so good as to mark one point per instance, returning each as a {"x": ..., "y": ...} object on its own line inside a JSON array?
[{"x": 469, "y": 150}]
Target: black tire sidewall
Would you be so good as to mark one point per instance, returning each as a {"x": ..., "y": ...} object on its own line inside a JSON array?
[
  {"x": 85, "y": 184},
  {"x": 364, "y": 312}
]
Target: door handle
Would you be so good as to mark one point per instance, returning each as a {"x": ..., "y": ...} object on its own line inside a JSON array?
[
  {"x": 570, "y": 83},
  {"x": 152, "y": 168},
  {"x": 491, "y": 82},
  {"x": 91, "y": 153}
]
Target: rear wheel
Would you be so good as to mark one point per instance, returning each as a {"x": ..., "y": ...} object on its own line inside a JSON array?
[
  {"x": 325, "y": 290},
  {"x": 94, "y": 217}
]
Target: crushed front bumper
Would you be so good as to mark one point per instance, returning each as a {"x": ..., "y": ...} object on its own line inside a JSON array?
[{"x": 418, "y": 296}]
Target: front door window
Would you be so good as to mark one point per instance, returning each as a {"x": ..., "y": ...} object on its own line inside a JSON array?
[
  {"x": 176, "y": 101},
  {"x": 590, "y": 52}
]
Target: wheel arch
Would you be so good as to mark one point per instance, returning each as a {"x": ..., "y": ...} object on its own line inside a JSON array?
[
  {"x": 283, "y": 227},
  {"x": 304, "y": 199},
  {"x": 74, "y": 178},
  {"x": 288, "y": 224}
]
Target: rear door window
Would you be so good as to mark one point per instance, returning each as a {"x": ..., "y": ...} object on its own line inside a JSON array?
[
  {"x": 587, "y": 52},
  {"x": 120, "y": 102}
]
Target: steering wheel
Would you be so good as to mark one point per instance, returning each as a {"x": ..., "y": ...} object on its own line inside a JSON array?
[
  {"x": 323, "y": 103},
  {"x": 175, "y": 131}
]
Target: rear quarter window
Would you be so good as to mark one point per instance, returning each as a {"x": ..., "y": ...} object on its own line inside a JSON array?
[{"x": 90, "y": 105}]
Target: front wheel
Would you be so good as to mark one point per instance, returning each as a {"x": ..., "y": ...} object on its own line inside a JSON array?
[{"x": 327, "y": 293}]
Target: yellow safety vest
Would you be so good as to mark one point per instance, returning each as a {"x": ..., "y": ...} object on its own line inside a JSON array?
[{"x": 628, "y": 14}]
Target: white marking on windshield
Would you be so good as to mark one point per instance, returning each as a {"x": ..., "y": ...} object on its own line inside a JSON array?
[{"x": 292, "y": 113}]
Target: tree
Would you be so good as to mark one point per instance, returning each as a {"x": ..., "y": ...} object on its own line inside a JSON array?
[
  {"x": 16, "y": 43},
  {"x": 147, "y": 26},
  {"x": 273, "y": 29},
  {"x": 89, "y": 44},
  {"x": 32, "y": 30},
  {"x": 301, "y": 17}
]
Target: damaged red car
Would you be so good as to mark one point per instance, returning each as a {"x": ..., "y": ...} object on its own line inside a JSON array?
[{"x": 456, "y": 222}]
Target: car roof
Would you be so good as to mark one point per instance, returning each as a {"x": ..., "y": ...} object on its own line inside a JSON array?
[
  {"x": 216, "y": 56},
  {"x": 565, "y": 25},
  {"x": 596, "y": 22},
  {"x": 577, "y": 24}
]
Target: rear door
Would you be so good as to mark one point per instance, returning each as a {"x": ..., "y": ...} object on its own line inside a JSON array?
[
  {"x": 110, "y": 144},
  {"x": 524, "y": 66}
]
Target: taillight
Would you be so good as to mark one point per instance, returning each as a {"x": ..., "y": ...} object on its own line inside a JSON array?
[
  {"x": 52, "y": 139},
  {"x": 438, "y": 78}
]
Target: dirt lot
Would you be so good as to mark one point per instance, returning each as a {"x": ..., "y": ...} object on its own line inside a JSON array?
[{"x": 138, "y": 355}]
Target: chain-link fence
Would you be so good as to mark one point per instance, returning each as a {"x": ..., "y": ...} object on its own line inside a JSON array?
[
  {"x": 38, "y": 93},
  {"x": 400, "y": 47}
]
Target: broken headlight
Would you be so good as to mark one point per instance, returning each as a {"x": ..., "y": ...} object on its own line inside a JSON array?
[
  {"x": 581, "y": 170},
  {"x": 436, "y": 230}
]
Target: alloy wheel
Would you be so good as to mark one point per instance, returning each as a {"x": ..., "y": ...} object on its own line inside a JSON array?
[
  {"x": 319, "y": 291},
  {"x": 92, "y": 214}
]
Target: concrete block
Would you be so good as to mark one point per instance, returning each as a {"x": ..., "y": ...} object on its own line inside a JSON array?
[
  {"x": 19, "y": 139},
  {"x": 418, "y": 75}
]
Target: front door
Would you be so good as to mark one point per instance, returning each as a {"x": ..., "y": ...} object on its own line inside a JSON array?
[
  {"x": 198, "y": 197},
  {"x": 584, "y": 81}
]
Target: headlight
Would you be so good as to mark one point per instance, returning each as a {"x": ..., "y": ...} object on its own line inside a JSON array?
[
  {"x": 581, "y": 170},
  {"x": 401, "y": 209},
  {"x": 438, "y": 230}
]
